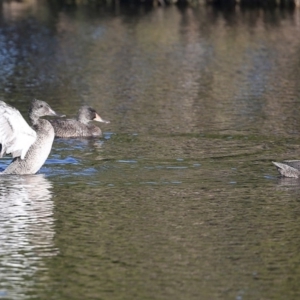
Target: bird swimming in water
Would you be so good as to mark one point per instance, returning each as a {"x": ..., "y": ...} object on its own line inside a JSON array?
[
  {"x": 288, "y": 168},
  {"x": 29, "y": 146},
  {"x": 79, "y": 127}
]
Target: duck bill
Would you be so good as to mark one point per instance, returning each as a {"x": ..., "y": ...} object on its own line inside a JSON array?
[
  {"x": 53, "y": 113},
  {"x": 99, "y": 119}
]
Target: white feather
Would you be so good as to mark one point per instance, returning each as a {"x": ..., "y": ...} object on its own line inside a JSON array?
[{"x": 16, "y": 136}]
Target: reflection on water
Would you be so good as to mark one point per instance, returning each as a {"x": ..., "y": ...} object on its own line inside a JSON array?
[
  {"x": 288, "y": 184},
  {"x": 26, "y": 232},
  {"x": 181, "y": 201},
  {"x": 196, "y": 70}
]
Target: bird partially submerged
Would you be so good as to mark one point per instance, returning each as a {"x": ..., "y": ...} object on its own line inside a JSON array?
[
  {"x": 289, "y": 168},
  {"x": 29, "y": 146}
]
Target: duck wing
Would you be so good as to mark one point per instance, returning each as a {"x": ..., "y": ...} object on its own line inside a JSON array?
[
  {"x": 16, "y": 136},
  {"x": 287, "y": 170},
  {"x": 293, "y": 163}
]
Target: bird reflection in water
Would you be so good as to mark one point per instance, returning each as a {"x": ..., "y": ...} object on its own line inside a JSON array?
[{"x": 26, "y": 231}]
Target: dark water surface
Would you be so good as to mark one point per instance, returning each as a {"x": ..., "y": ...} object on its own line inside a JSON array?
[{"x": 180, "y": 199}]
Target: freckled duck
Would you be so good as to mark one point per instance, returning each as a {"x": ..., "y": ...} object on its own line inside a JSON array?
[
  {"x": 79, "y": 127},
  {"x": 29, "y": 146},
  {"x": 289, "y": 168}
]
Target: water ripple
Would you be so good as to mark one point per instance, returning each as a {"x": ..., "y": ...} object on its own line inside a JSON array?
[{"x": 26, "y": 231}]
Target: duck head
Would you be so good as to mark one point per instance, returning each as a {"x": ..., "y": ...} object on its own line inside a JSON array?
[
  {"x": 87, "y": 114},
  {"x": 39, "y": 108}
]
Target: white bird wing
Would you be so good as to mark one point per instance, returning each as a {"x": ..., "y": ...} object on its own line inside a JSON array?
[{"x": 16, "y": 136}]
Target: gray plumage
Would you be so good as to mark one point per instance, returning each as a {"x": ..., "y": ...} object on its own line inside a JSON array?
[
  {"x": 30, "y": 160},
  {"x": 79, "y": 127},
  {"x": 289, "y": 168}
]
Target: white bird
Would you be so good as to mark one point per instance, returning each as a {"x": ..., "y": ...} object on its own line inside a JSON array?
[{"x": 29, "y": 146}]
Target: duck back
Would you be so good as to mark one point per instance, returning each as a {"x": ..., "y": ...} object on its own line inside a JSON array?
[{"x": 73, "y": 128}]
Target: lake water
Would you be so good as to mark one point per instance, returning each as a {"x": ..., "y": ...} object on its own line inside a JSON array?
[{"x": 179, "y": 199}]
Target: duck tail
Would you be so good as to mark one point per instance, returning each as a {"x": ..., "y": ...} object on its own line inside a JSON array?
[{"x": 286, "y": 170}]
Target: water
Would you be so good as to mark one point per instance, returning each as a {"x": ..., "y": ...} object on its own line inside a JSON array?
[{"x": 179, "y": 199}]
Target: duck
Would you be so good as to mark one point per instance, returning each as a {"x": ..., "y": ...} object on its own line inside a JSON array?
[
  {"x": 288, "y": 168},
  {"x": 79, "y": 127},
  {"x": 29, "y": 146}
]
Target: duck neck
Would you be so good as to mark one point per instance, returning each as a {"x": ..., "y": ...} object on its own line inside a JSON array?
[
  {"x": 82, "y": 120},
  {"x": 33, "y": 118}
]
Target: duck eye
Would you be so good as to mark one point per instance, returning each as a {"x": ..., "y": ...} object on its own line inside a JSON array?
[{"x": 41, "y": 105}]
